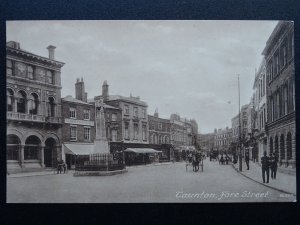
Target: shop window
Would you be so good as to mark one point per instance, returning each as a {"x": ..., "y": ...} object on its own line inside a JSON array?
[
  {"x": 32, "y": 148},
  {"x": 12, "y": 147}
]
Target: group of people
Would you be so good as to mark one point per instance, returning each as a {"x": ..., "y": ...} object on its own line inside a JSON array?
[
  {"x": 224, "y": 159},
  {"x": 195, "y": 158},
  {"x": 61, "y": 166},
  {"x": 269, "y": 163}
]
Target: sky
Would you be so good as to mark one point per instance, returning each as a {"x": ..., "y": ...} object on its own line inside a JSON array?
[{"x": 185, "y": 67}]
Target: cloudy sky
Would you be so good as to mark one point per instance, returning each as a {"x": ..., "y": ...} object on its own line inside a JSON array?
[{"x": 188, "y": 67}]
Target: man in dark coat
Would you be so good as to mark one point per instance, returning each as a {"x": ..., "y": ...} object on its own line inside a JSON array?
[
  {"x": 247, "y": 158},
  {"x": 265, "y": 167},
  {"x": 274, "y": 166}
]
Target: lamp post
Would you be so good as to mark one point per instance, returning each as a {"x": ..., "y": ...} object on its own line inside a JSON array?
[{"x": 240, "y": 138}]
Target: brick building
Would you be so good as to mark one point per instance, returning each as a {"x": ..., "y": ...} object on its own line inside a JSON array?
[
  {"x": 78, "y": 131},
  {"x": 279, "y": 56},
  {"x": 34, "y": 120}
]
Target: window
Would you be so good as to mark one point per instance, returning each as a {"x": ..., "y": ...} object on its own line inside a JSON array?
[
  {"x": 49, "y": 77},
  {"x": 114, "y": 117},
  {"x": 114, "y": 135},
  {"x": 86, "y": 133},
  {"x": 143, "y": 113},
  {"x": 284, "y": 54},
  {"x": 73, "y": 133},
  {"x": 30, "y": 73},
  {"x": 21, "y": 102},
  {"x": 136, "y": 130},
  {"x": 20, "y": 69},
  {"x": 135, "y": 111},
  {"x": 144, "y": 132},
  {"x": 10, "y": 100},
  {"x": 51, "y": 107},
  {"x": 73, "y": 113},
  {"x": 276, "y": 63},
  {"x": 33, "y": 104},
  {"x": 160, "y": 126},
  {"x": 9, "y": 67},
  {"x": 86, "y": 114},
  {"x": 126, "y": 109},
  {"x": 127, "y": 131}
]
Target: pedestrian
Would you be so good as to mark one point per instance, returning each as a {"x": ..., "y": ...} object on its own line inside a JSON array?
[
  {"x": 247, "y": 158},
  {"x": 274, "y": 166},
  {"x": 64, "y": 166},
  {"x": 265, "y": 167},
  {"x": 226, "y": 159}
]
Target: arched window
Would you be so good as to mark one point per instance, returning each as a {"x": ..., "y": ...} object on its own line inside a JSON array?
[
  {"x": 33, "y": 104},
  {"x": 51, "y": 107},
  {"x": 12, "y": 147},
  {"x": 282, "y": 151},
  {"x": 21, "y": 102},
  {"x": 271, "y": 145},
  {"x": 276, "y": 145},
  {"x": 32, "y": 146},
  {"x": 166, "y": 140},
  {"x": 289, "y": 146},
  {"x": 10, "y": 100}
]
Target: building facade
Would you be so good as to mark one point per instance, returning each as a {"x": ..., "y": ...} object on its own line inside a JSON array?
[
  {"x": 159, "y": 130},
  {"x": 223, "y": 139},
  {"x": 34, "y": 119},
  {"x": 260, "y": 110},
  {"x": 206, "y": 142},
  {"x": 280, "y": 69}
]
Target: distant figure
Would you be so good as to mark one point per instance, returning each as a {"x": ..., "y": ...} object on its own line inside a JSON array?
[
  {"x": 273, "y": 165},
  {"x": 265, "y": 167},
  {"x": 247, "y": 158},
  {"x": 64, "y": 165},
  {"x": 226, "y": 159}
]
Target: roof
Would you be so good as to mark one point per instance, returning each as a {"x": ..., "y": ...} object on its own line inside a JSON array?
[
  {"x": 79, "y": 149},
  {"x": 69, "y": 98},
  {"x": 92, "y": 101},
  {"x": 128, "y": 99},
  {"x": 141, "y": 150},
  {"x": 24, "y": 52}
]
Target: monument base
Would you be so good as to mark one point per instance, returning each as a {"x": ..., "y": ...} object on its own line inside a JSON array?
[
  {"x": 99, "y": 173},
  {"x": 101, "y": 146}
]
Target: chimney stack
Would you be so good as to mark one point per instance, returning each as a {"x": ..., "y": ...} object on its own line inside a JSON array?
[
  {"x": 51, "y": 51},
  {"x": 79, "y": 90},
  {"x": 105, "y": 93}
]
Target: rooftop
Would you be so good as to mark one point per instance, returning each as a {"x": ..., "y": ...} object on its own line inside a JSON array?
[{"x": 69, "y": 98}]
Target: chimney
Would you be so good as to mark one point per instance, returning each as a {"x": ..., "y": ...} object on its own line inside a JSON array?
[
  {"x": 13, "y": 44},
  {"x": 51, "y": 51},
  {"x": 105, "y": 93},
  {"x": 156, "y": 113},
  {"x": 80, "y": 93}
]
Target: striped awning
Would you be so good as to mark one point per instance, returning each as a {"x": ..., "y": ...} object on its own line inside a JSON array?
[{"x": 142, "y": 150}]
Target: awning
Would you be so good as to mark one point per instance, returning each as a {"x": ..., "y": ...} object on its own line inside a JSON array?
[
  {"x": 78, "y": 149},
  {"x": 142, "y": 150}
]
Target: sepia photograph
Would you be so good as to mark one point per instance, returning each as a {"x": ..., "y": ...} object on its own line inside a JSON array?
[{"x": 150, "y": 111}]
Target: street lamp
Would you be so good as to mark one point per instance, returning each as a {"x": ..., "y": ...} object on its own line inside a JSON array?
[{"x": 240, "y": 141}]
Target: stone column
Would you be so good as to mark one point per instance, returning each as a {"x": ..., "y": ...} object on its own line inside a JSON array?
[
  {"x": 15, "y": 107},
  {"x": 21, "y": 155},
  {"x": 42, "y": 155},
  {"x": 293, "y": 161}
]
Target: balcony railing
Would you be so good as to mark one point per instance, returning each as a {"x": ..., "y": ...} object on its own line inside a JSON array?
[{"x": 32, "y": 118}]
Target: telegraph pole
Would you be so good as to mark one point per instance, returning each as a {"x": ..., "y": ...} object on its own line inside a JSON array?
[{"x": 240, "y": 138}]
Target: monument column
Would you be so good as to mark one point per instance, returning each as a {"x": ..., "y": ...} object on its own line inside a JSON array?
[{"x": 100, "y": 143}]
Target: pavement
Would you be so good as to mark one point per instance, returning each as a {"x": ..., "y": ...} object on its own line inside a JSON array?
[
  {"x": 284, "y": 182},
  {"x": 164, "y": 183}
]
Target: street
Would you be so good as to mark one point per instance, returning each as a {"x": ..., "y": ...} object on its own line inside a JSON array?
[{"x": 161, "y": 183}]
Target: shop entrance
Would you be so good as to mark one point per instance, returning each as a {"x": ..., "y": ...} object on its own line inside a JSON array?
[{"x": 50, "y": 146}]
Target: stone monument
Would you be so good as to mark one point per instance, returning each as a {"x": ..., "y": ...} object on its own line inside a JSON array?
[{"x": 100, "y": 143}]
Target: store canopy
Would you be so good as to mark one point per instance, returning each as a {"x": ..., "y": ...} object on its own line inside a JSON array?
[
  {"x": 142, "y": 150},
  {"x": 78, "y": 149}
]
